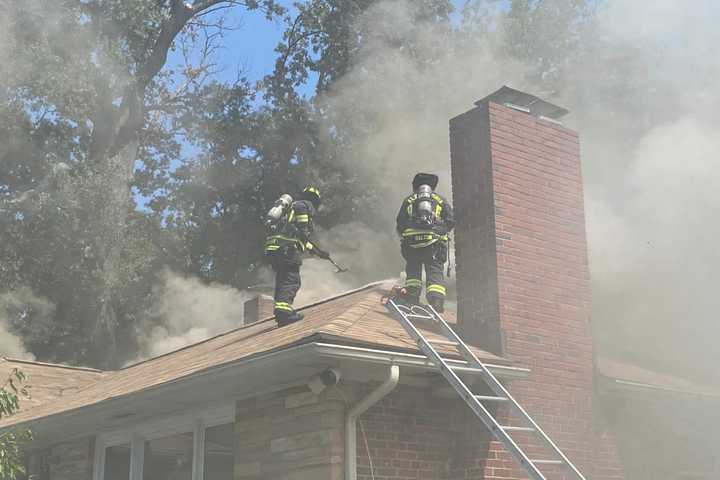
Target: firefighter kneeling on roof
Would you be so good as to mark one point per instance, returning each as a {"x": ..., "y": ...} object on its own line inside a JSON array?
[
  {"x": 423, "y": 223},
  {"x": 290, "y": 225}
]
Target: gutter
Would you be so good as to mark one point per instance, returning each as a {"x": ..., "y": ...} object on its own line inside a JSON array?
[
  {"x": 649, "y": 387},
  {"x": 393, "y": 376},
  {"x": 411, "y": 360}
]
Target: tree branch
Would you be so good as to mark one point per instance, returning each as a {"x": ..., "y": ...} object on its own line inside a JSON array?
[
  {"x": 132, "y": 109},
  {"x": 198, "y": 7},
  {"x": 180, "y": 14}
]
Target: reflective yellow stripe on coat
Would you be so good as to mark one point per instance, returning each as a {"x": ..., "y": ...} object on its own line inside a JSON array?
[{"x": 421, "y": 238}]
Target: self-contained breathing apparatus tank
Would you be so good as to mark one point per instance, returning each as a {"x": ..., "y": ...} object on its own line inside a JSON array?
[
  {"x": 424, "y": 204},
  {"x": 278, "y": 210}
]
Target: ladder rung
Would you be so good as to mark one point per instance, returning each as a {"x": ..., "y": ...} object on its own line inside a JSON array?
[
  {"x": 419, "y": 317},
  {"x": 459, "y": 364},
  {"x": 547, "y": 462},
  {"x": 486, "y": 398},
  {"x": 464, "y": 367},
  {"x": 508, "y": 428},
  {"x": 444, "y": 342}
]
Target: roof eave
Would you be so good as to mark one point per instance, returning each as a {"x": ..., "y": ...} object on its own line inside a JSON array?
[
  {"x": 408, "y": 359},
  {"x": 303, "y": 353},
  {"x": 619, "y": 386}
]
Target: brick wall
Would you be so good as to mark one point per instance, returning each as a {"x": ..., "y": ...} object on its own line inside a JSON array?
[
  {"x": 475, "y": 240},
  {"x": 290, "y": 435},
  {"x": 517, "y": 179},
  {"x": 410, "y": 435},
  {"x": 608, "y": 465}
]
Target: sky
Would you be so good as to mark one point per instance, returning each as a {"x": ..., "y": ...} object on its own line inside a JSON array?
[
  {"x": 249, "y": 47},
  {"x": 248, "y": 50}
]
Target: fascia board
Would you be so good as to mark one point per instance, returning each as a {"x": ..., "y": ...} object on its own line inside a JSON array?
[
  {"x": 281, "y": 359},
  {"x": 386, "y": 357}
]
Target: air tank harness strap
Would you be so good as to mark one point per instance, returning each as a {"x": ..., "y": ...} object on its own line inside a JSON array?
[{"x": 421, "y": 238}]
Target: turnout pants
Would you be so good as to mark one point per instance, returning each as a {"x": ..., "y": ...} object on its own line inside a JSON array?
[
  {"x": 287, "y": 281},
  {"x": 432, "y": 258}
]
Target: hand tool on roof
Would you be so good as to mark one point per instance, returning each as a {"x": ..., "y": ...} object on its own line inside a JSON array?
[{"x": 339, "y": 268}]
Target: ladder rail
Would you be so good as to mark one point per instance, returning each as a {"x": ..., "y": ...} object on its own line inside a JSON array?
[
  {"x": 478, "y": 408},
  {"x": 500, "y": 390}
]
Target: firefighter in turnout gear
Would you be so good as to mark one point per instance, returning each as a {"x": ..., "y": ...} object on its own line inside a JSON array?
[
  {"x": 423, "y": 223},
  {"x": 290, "y": 224}
]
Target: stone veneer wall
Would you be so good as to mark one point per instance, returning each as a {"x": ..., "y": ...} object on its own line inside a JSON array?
[
  {"x": 71, "y": 460},
  {"x": 290, "y": 435}
]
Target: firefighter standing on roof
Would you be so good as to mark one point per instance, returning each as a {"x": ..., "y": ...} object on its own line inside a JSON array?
[
  {"x": 290, "y": 234},
  {"x": 423, "y": 223}
]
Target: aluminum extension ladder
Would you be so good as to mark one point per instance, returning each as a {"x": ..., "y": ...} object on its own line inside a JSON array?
[{"x": 477, "y": 402}]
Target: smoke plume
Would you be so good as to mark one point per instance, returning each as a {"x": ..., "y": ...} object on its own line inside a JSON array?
[
  {"x": 21, "y": 309},
  {"x": 186, "y": 311},
  {"x": 641, "y": 82}
]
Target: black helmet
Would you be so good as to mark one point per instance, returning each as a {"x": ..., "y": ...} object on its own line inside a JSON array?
[
  {"x": 312, "y": 194},
  {"x": 425, "y": 179}
]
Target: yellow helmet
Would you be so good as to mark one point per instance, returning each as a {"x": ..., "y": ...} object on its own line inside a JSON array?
[{"x": 313, "y": 194}]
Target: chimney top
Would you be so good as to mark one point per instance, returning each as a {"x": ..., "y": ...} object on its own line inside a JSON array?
[
  {"x": 525, "y": 102},
  {"x": 258, "y": 308}
]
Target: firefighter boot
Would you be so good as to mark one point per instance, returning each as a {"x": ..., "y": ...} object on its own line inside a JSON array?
[
  {"x": 438, "y": 303},
  {"x": 295, "y": 317},
  {"x": 286, "y": 318},
  {"x": 281, "y": 317},
  {"x": 409, "y": 299}
]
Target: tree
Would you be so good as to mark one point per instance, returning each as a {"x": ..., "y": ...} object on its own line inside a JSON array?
[
  {"x": 11, "y": 441},
  {"x": 87, "y": 97},
  {"x": 250, "y": 154}
]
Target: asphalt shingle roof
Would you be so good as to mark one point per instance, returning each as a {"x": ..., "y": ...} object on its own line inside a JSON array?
[{"x": 356, "y": 318}]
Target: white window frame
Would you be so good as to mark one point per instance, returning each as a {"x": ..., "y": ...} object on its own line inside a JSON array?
[{"x": 196, "y": 421}]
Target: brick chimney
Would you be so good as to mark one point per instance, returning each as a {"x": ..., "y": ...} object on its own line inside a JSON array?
[
  {"x": 258, "y": 308},
  {"x": 522, "y": 270}
]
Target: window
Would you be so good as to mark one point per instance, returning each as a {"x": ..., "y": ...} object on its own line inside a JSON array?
[
  {"x": 169, "y": 458},
  {"x": 117, "y": 462},
  {"x": 219, "y": 452},
  {"x": 188, "y": 445}
]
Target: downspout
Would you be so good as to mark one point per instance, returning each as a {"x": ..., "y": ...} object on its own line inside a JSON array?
[{"x": 351, "y": 420}]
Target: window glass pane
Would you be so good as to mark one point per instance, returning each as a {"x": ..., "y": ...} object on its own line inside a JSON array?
[
  {"x": 117, "y": 462},
  {"x": 169, "y": 458},
  {"x": 219, "y": 452}
]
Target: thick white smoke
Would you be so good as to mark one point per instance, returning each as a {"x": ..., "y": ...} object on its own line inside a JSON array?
[
  {"x": 652, "y": 181},
  {"x": 643, "y": 91},
  {"x": 189, "y": 311},
  {"x": 654, "y": 257},
  {"x": 20, "y": 306},
  {"x": 355, "y": 247}
]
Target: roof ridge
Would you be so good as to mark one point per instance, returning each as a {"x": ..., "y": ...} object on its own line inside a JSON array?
[
  {"x": 346, "y": 293},
  {"x": 267, "y": 319},
  {"x": 55, "y": 365},
  {"x": 365, "y": 311}
]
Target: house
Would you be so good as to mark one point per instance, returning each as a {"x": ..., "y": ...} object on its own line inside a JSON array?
[{"x": 346, "y": 394}]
